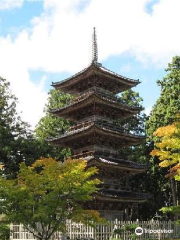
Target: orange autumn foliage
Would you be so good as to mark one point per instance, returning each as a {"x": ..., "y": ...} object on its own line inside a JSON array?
[{"x": 167, "y": 149}]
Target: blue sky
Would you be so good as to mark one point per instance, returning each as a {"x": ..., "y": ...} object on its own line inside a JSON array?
[{"x": 46, "y": 41}]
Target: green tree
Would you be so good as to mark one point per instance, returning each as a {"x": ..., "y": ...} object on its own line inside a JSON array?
[
  {"x": 134, "y": 125},
  {"x": 13, "y": 131},
  {"x": 52, "y": 126},
  {"x": 140, "y": 153},
  {"x": 48, "y": 193},
  {"x": 167, "y": 150},
  {"x": 163, "y": 113},
  {"x": 17, "y": 142},
  {"x": 168, "y": 104},
  {"x": 49, "y": 125},
  {"x": 4, "y": 231}
]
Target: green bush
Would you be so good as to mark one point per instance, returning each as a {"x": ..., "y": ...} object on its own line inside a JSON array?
[
  {"x": 125, "y": 228},
  {"x": 4, "y": 231}
]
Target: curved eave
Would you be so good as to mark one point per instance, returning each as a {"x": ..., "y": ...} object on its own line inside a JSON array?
[
  {"x": 131, "y": 82},
  {"x": 134, "y": 197},
  {"x": 135, "y": 168},
  {"x": 94, "y": 98},
  {"x": 95, "y": 69},
  {"x": 66, "y": 138}
]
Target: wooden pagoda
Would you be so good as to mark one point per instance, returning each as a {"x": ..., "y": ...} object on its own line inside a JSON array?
[{"x": 96, "y": 136}]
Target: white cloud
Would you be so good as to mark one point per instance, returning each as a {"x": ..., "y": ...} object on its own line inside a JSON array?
[
  {"x": 10, "y": 4},
  {"x": 121, "y": 26},
  {"x": 60, "y": 40},
  {"x": 148, "y": 110},
  {"x": 14, "y": 67},
  {"x": 126, "y": 68}
]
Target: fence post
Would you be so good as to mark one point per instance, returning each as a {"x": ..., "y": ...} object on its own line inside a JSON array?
[
  {"x": 11, "y": 231},
  {"x": 103, "y": 231}
]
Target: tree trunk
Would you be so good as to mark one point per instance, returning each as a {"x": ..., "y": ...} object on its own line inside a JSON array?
[
  {"x": 174, "y": 192},
  {"x": 174, "y": 195}
]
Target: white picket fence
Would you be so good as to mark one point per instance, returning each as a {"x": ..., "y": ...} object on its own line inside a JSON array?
[{"x": 105, "y": 231}]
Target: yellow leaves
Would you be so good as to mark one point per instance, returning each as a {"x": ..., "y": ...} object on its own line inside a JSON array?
[
  {"x": 60, "y": 176},
  {"x": 166, "y": 143},
  {"x": 78, "y": 164},
  {"x": 167, "y": 150},
  {"x": 77, "y": 170},
  {"x": 68, "y": 176},
  {"x": 165, "y": 131},
  {"x": 1, "y": 166},
  {"x": 154, "y": 152},
  {"x": 50, "y": 192},
  {"x": 161, "y": 154},
  {"x": 165, "y": 163},
  {"x": 44, "y": 162}
]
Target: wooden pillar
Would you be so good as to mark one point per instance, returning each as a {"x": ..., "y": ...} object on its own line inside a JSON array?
[{"x": 126, "y": 213}]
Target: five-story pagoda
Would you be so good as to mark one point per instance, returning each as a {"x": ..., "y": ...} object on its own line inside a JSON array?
[{"x": 96, "y": 136}]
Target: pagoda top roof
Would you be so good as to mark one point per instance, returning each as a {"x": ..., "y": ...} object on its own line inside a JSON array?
[
  {"x": 95, "y": 75},
  {"x": 95, "y": 68}
]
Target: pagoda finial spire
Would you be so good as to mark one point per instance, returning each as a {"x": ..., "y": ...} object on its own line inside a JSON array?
[{"x": 94, "y": 47}]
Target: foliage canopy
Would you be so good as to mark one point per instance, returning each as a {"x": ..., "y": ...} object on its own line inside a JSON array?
[
  {"x": 47, "y": 193},
  {"x": 168, "y": 104},
  {"x": 13, "y": 131},
  {"x": 52, "y": 126},
  {"x": 167, "y": 150},
  {"x": 163, "y": 113}
]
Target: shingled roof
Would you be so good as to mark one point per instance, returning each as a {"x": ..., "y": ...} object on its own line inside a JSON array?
[
  {"x": 95, "y": 95},
  {"x": 92, "y": 70},
  {"x": 113, "y": 195},
  {"x": 103, "y": 128}
]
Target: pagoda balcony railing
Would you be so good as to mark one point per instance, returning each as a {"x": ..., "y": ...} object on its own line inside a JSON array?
[
  {"x": 85, "y": 125},
  {"x": 83, "y": 155},
  {"x": 125, "y": 194},
  {"x": 104, "y": 151},
  {"x": 104, "y": 94},
  {"x": 101, "y": 91},
  {"x": 81, "y": 125},
  {"x": 98, "y": 149},
  {"x": 99, "y": 121},
  {"x": 84, "y": 149},
  {"x": 93, "y": 153},
  {"x": 96, "y": 118},
  {"x": 114, "y": 185}
]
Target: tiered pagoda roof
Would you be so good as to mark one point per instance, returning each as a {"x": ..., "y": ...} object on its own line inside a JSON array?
[
  {"x": 98, "y": 128},
  {"x": 121, "y": 196},
  {"x": 115, "y": 162},
  {"x": 95, "y": 75},
  {"x": 96, "y": 96},
  {"x": 97, "y": 135}
]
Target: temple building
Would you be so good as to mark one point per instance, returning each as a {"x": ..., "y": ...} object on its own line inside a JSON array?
[{"x": 97, "y": 137}]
